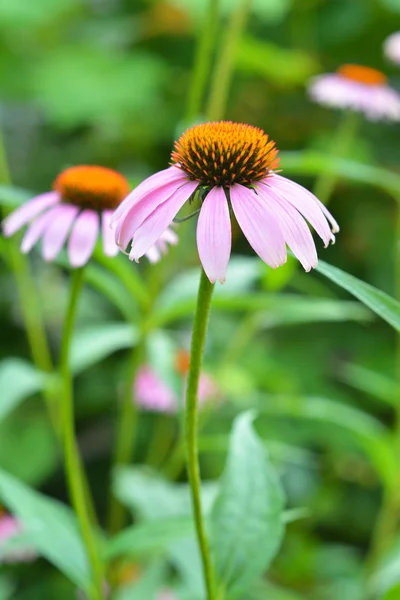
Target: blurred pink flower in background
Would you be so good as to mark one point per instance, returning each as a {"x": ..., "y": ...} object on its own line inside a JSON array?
[
  {"x": 9, "y": 529},
  {"x": 358, "y": 88},
  {"x": 166, "y": 595},
  {"x": 79, "y": 207},
  {"x": 231, "y": 167},
  {"x": 391, "y": 47},
  {"x": 152, "y": 393}
]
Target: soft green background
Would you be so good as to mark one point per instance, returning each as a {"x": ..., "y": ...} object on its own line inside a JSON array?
[{"x": 105, "y": 82}]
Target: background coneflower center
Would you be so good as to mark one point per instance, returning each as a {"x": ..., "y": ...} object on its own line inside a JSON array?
[
  {"x": 92, "y": 187},
  {"x": 361, "y": 74},
  {"x": 224, "y": 153}
]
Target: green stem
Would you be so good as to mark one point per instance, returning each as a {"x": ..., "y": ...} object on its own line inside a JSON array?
[
  {"x": 191, "y": 423},
  {"x": 73, "y": 467},
  {"x": 223, "y": 70},
  {"x": 202, "y": 61},
  {"x": 28, "y": 298},
  {"x": 125, "y": 436},
  {"x": 341, "y": 142}
]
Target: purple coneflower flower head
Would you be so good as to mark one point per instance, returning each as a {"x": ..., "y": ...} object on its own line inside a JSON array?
[
  {"x": 154, "y": 394},
  {"x": 391, "y": 47},
  {"x": 10, "y": 528},
  {"x": 357, "y": 88},
  {"x": 78, "y": 209},
  {"x": 227, "y": 169}
]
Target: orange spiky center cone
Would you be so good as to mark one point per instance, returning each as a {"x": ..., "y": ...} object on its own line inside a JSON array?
[
  {"x": 90, "y": 186},
  {"x": 361, "y": 74},
  {"x": 224, "y": 153}
]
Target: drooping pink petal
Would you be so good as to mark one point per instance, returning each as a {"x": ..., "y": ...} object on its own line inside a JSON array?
[
  {"x": 214, "y": 235},
  {"x": 154, "y": 254},
  {"x": 109, "y": 246},
  {"x": 294, "y": 228},
  {"x": 36, "y": 230},
  {"x": 147, "y": 186},
  {"x": 56, "y": 233},
  {"x": 259, "y": 225},
  {"x": 28, "y": 211},
  {"x": 305, "y": 202},
  {"x": 135, "y": 216},
  {"x": 83, "y": 238},
  {"x": 158, "y": 221}
]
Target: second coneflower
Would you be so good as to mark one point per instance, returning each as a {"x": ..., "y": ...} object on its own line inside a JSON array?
[
  {"x": 230, "y": 169},
  {"x": 77, "y": 209}
]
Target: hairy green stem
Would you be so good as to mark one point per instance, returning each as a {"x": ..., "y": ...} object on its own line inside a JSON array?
[
  {"x": 341, "y": 142},
  {"x": 202, "y": 61},
  {"x": 191, "y": 423},
  {"x": 73, "y": 467},
  {"x": 224, "y": 68}
]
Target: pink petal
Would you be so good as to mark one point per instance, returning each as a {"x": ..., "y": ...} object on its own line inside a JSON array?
[
  {"x": 147, "y": 186},
  {"x": 214, "y": 235},
  {"x": 83, "y": 238},
  {"x": 109, "y": 246},
  {"x": 154, "y": 254},
  {"x": 37, "y": 229},
  {"x": 294, "y": 228},
  {"x": 305, "y": 202},
  {"x": 158, "y": 221},
  {"x": 259, "y": 225},
  {"x": 131, "y": 221},
  {"x": 56, "y": 233},
  {"x": 25, "y": 213},
  {"x": 152, "y": 393}
]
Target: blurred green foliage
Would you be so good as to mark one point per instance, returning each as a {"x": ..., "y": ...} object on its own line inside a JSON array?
[{"x": 105, "y": 82}]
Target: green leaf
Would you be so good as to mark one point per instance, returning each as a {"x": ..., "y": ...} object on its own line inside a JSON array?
[
  {"x": 149, "y": 536},
  {"x": 150, "y": 496},
  {"x": 38, "y": 442},
  {"x": 247, "y": 523},
  {"x": 313, "y": 163},
  {"x": 368, "y": 433},
  {"x": 51, "y": 528},
  {"x": 393, "y": 594},
  {"x": 19, "y": 379},
  {"x": 92, "y": 344},
  {"x": 374, "y": 384},
  {"x": 383, "y": 305}
]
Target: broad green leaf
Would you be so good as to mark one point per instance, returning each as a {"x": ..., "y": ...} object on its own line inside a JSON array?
[
  {"x": 149, "y": 536},
  {"x": 247, "y": 524},
  {"x": 7, "y": 588},
  {"x": 314, "y": 163},
  {"x": 374, "y": 384},
  {"x": 19, "y": 379},
  {"x": 369, "y": 434},
  {"x": 279, "y": 308},
  {"x": 92, "y": 344},
  {"x": 51, "y": 528},
  {"x": 25, "y": 434},
  {"x": 150, "y": 496},
  {"x": 383, "y": 305}
]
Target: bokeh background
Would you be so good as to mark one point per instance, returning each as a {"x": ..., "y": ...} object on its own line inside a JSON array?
[{"x": 106, "y": 82}]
